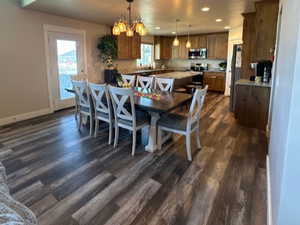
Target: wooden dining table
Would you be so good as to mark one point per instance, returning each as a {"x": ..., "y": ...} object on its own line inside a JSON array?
[{"x": 156, "y": 103}]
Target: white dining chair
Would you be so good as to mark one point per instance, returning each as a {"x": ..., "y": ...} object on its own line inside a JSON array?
[
  {"x": 78, "y": 77},
  {"x": 125, "y": 115},
  {"x": 102, "y": 107},
  {"x": 128, "y": 79},
  {"x": 184, "y": 125},
  {"x": 164, "y": 84},
  {"x": 83, "y": 102},
  {"x": 144, "y": 82}
]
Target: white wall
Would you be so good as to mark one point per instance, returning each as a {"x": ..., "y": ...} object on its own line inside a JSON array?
[
  {"x": 23, "y": 78},
  {"x": 284, "y": 149}
]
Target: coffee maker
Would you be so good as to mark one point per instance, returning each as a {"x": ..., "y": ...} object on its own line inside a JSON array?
[{"x": 262, "y": 69}]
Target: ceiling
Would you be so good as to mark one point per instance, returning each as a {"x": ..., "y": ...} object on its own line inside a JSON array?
[{"x": 155, "y": 13}]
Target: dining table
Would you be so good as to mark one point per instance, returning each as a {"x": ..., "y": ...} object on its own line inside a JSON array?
[{"x": 156, "y": 103}]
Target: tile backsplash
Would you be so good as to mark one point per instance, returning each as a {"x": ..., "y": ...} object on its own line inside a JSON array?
[{"x": 181, "y": 63}]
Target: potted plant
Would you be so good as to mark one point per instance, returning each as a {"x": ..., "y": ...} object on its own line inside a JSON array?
[
  {"x": 108, "y": 50},
  {"x": 223, "y": 66}
]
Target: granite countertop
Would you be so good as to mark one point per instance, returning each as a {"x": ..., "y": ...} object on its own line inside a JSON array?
[
  {"x": 177, "y": 75},
  {"x": 215, "y": 71},
  {"x": 252, "y": 83}
]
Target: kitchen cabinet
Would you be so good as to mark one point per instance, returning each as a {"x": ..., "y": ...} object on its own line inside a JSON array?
[
  {"x": 252, "y": 105},
  {"x": 266, "y": 26},
  {"x": 217, "y": 45},
  {"x": 215, "y": 81},
  {"x": 163, "y": 47},
  {"x": 129, "y": 47},
  {"x": 194, "y": 42},
  {"x": 183, "y": 51},
  {"x": 202, "y": 41},
  {"x": 248, "y": 44}
]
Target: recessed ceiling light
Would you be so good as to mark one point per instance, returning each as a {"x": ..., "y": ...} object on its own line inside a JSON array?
[
  {"x": 219, "y": 20},
  {"x": 173, "y": 32},
  {"x": 157, "y": 28},
  {"x": 227, "y": 27},
  {"x": 205, "y": 9}
]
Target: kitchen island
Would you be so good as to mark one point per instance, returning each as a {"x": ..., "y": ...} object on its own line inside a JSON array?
[{"x": 182, "y": 79}]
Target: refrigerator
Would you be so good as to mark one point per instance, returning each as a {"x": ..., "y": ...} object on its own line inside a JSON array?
[{"x": 236, "y": 69}]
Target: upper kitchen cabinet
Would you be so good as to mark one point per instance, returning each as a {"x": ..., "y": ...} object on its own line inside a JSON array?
[
  {"x": 163, "y": 47},
  {"x": 183, "y": 51},
  {"x": 129, "y": 47},
  {"x": 202, "y": 41},
  {"x": 248, "y": 44},
  {"x": 266, "y": 26},
  {"x": 217, "y": 45}
]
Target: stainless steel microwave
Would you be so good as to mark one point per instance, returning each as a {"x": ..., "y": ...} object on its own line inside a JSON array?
[{"x": 199, "y": 53}]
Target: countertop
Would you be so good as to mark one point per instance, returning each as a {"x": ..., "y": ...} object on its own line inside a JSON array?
[
  {"x": 177, "y": 75},
  {"x": 252, "y": 83}
]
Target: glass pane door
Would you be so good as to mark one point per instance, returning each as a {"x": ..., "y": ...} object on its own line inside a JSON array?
[
  {"x": 66, "y": 60},
  {"x": 67, "y": 66}
]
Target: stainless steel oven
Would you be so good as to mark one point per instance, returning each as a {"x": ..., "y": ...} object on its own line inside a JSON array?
[{"x": 200, "y": 53}]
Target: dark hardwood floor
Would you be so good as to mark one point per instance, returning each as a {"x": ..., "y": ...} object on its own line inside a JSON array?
[{"x": 67, "y": 177}]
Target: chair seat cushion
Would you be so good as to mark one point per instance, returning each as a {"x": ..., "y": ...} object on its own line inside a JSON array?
[
  {"x": 174, "y": 121},
  {"x": 141, "y": 118}
]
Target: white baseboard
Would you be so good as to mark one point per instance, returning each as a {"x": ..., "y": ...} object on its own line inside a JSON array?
[
  {"x": 25, "y": 116},
  {"x": 269, "y": 199}
]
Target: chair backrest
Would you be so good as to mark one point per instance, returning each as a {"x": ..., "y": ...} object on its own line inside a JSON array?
[
  {"x": 99, "y": 93},
  {"x": 144, "y": 82},
  {"x": 129, "y": 79},
  {"x": 196, "y": 106},
  {"x": 82, "y": 93},
  {"x": 164, "y": 84},
  {"x": 120, "y": 97}
]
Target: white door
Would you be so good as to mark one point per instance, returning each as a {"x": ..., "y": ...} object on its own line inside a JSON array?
[{"x": 66, "y": 59}]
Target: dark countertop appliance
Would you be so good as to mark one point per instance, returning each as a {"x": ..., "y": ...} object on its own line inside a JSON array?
[
  {"x": 199, "y": 53},
  {"x": 199, "y": 67},
  {"x": 263, "y": 69}
]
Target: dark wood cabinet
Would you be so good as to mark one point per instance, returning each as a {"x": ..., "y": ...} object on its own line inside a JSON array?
[
  {"x": 217, "y": 46},
  {"x": 252, "y": 105},
  {"x": 266, "y": 26},
  {"x": 259, "y": 35},
  {"x": 162, "y": 47},
  {"x": 248, "y": 44},
  {"x": 202, "y": 41},
  {"x": 215, "y": 81},
  {"x": 129, "y": 47}
]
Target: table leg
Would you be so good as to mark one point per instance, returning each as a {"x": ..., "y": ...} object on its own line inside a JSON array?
[{"x": 152, "y": 143}]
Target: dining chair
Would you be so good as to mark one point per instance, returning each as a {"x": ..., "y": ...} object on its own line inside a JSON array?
[
  {"x": 78, "y": 77},
  {"x": 126, "y": 116},
  {"x": 83, "y": 102},
  {"x": 128, "y": 79},
  {"x": 184, "y": 125},
  {"x": 164, "y": 84},
  {"x": 144, "y": 82},
  {"x": 102, "y": 107}
]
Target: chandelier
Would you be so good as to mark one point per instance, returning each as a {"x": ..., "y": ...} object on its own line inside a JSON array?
[{"x": 128, "y": 26}]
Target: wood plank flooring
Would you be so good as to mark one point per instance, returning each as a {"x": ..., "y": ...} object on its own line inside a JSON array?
[{"x": 69, "y": 178}]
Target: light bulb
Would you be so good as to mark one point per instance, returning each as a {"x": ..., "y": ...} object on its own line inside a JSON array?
[
  {"x": 122, "y": 26},
  {"x": 129, "y": 32},
  {"x": 139, "y": 27},
  {"x": 176, "y": 42},
  {"x": 188, "y": 44},
  {"x": 116, "y": 30},
  {"x": 143, "y": 32}
]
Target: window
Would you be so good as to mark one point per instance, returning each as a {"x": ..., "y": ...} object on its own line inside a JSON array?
[{"x": 146, "y": 55}]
